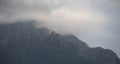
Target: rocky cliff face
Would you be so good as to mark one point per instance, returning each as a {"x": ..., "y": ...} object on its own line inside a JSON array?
[{"x": 22, "y": 43}]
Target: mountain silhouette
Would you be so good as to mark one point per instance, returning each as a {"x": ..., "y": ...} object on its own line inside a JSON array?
[{"x": 23, "y": 43}]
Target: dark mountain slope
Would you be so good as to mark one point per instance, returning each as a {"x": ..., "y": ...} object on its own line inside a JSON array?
[{"x": 22, "y": 43}]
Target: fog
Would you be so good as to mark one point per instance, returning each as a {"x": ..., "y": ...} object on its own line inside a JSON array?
[{"x": 96, "y": 22}]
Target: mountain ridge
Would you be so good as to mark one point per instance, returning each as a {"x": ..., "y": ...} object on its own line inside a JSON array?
[{"x": 22, "y": 43}]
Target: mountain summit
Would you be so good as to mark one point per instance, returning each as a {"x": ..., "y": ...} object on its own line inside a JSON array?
[{"x": 22, "y": 43}]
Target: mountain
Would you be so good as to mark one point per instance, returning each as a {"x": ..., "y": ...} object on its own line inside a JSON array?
[{"x": 23, "y": 43}]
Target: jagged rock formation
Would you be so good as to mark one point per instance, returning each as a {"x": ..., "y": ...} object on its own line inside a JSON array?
[{"x": 22, "y": 43}]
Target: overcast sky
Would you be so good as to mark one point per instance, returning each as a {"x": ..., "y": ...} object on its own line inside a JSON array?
[{"x": 96, "y": 22}]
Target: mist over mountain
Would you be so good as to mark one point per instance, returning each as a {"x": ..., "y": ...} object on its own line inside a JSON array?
[{"x": 23, "y": 43}]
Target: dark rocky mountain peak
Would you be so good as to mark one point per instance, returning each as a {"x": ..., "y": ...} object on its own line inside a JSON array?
[{"x": 22, "y": 43}]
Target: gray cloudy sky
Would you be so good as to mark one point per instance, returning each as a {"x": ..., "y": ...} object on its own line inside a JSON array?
[{"x": 96, "y": 22}]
